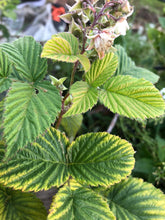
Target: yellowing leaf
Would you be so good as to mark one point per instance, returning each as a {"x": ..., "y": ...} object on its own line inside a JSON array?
[
  {"x": 78, "y": 202},
  {"x": 101, "y": 70},
  {"x": 100, "y": 159},
  {"x": 84, "y": 98},
  {"x": 39, "y": 166},
  {"x": 64, "y": 47},
  {"x": 18, "y": 205},
  {"x": 134, "y": 199},
  {"x": 29, "y": 110},
  {"x": 131, "y": 97}
]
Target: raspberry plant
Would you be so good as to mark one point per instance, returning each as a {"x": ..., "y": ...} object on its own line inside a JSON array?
[{"x": 91, "y": 172}]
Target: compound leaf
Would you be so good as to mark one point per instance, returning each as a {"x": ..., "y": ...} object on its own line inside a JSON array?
[
  {"x": 131, "y": 97},
  {"x": 41, "y": 165},
  {"x": 133, "y": 199},
  {"x": 77, "y": 202},
  {"x": 101, "y": 70},
  {"x": 20, "y": 205},
  {"x": 128, "y": 67},
  {"x": 24, "y": 54},
  {"x": 29, "y": 110},
  {"x": 100, "y": 159},
  {"x": 84, "y": 98}
]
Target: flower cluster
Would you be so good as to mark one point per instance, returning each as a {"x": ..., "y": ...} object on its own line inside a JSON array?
[{"x": 99, "y": 24}]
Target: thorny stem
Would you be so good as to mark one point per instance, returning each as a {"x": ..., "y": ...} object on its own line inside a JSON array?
[{"x": 113, "y": 123}]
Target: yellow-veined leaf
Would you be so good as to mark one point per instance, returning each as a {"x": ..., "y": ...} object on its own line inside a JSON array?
[
  {"x": 29, "y": 111},
  {"x": 101, "y": 70},
  {"x": 18, "y": 205},
  {"x": 100, "y": 159},
  {"x": 24, "y": 54},
  {"x": 131, "y": 97},
  {"x": 39, "y": 166},
  {"x": 77, "y": 202},
  {"x": 134, "y": 199},
  {"x": 84, "y": 98}
]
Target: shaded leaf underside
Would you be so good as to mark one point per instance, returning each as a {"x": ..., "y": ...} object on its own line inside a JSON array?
[{"x": 17, "y": 205}]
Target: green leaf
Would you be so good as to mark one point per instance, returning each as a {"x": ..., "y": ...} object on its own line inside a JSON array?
[
  {"x": 41, "y": 165},
  {"x": 144, "y": 165},
  {"x": 161, "y": 148},
  {"x": 29, "y": 110},
  {"x": 100, "y": 159},
  {"x": 24, "y": 54},
  {"x": 72, "y": 125},
  {"x": 5, "y": 65},
  {"x": 71, "y": 39},
  {"x": 79, "y": 203},
  {"x": 162, "y": 21},
  {"x": 101, "y": 70},
  {"x": 5, "y": 71},
  {"x": 2, "y": 150},
  {"x": 1, "y": 118},
  {"x": 84, "y": 61},
  {"x": 133, "y": 199},
  {"x": 131, "y": 97},
  {"x": 64, "y": 47},
  {"x": 5, "y": 83},
  {"x": 139, "y": 72},
  {"x": 84, "y": 98},
  {"x": 17, "y": 205},
  {"x": 125, "y": 62},
  {"x": 127, "y": 67},
  {"x": 59, "y": 49}
]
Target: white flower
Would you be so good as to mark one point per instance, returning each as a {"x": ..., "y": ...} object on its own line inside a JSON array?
[
  {"x": 102, "y": 41},
  {"x": 121, "y": 26}
]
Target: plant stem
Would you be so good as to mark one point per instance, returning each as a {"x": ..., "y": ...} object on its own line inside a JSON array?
[
  {"x": 66, "y": 96},
  {"x": 113, "y": 123},
  {"x": 62, "y": 111},
  {"x": 73, "y": 72}
]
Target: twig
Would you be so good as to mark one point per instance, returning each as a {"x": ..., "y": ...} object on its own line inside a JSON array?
[{"x": 113, "y": 123}]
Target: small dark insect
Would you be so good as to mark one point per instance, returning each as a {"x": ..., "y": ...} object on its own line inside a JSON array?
[{"x": 36, "y": 91}]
